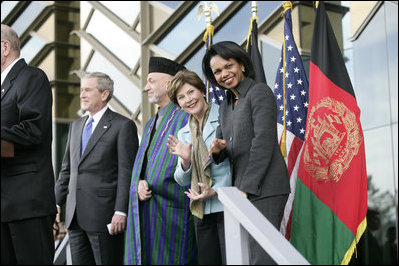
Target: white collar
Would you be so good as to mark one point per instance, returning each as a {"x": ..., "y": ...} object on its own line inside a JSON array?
[
  {"x": 97, "y": 116},
  {"x": 7, "y": 70}
]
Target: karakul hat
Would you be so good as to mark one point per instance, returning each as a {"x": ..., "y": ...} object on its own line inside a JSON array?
[{"x": 164, "y": 65}]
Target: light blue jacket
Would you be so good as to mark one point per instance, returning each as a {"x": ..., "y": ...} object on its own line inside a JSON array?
[{"x": 220, "y": 173}]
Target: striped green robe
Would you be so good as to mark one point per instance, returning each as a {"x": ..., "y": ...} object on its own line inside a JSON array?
[{"x": 160, "y": 230}]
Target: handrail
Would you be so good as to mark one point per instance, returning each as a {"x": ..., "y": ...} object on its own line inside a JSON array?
[
  {"x": 242, "y": 218},
  {"x": 62, "y": 254}
]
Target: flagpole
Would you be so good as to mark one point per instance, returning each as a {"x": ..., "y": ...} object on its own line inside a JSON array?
[
  {"x": 207, "y": 11},
  {"x": 254, "y": 11},
  {"x": 286, "y": 5}
]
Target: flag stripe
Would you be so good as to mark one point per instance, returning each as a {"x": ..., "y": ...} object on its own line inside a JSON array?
[
  {"x": 285, "y": 228},
  {"x": 323, "y": 47},
  {"x": 325, "y": 236},
  {"x": 293, "y": 157}
]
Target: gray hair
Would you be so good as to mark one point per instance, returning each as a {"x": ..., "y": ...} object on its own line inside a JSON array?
[
  {"x": 104, "y": 82},
  {"x": 8, "y": 34}
]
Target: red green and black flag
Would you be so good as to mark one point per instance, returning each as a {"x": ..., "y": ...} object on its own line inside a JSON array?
[{"x": 330, "y": 206}]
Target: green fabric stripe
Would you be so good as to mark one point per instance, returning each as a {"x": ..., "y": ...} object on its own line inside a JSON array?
[
  {"x": 316, "y": 232},
  {"x": 179, "y": 236}
]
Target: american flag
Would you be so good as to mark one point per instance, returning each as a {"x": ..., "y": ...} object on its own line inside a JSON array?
[
  {"x": 214, "y": 93},
  {"x": 295, "y": 109}
]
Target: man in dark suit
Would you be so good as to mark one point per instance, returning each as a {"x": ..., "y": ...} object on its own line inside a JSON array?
[
  {"x": 27, "y": 179},
  {"x": 95, "y": 177}
]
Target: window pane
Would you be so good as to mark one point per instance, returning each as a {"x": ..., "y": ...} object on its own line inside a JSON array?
[
  {"x": 115, "y": 39},
  {"x": 271, "y": 58},
  {"x": 240, "y": 22},
  {"x": 28, "y": 16},
  {"x": 265, "y": 9},
  {"x": 195, "y": 62},
  {"x": 125, "y": 10},
  {"x": 395, "y": 152},
  {"x": 85, "y": 9},
  {"x": 371, "y": 73},
  {"x": 379, "y": 158},
  {"x": 391, "y": 14},
  {"x": 32, "y": 48},
  {"x": 187, "y": 30},
  {"x": 381, "y": 197},
  {"x": 171, "y": 4},
  {"x": 6, "y": 8},
  {"x": 346, "y": 26}
]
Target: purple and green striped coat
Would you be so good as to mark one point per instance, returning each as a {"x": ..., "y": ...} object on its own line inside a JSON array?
[{"x": 160, "y": 230}]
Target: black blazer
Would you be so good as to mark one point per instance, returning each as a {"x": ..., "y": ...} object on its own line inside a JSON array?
[
  {"x": 97, "y": 184},
  {"x": 27, "y": 180},
  {"x": 250, "y": 130}
]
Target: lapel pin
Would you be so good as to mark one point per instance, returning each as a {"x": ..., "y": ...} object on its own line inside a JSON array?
[{"x": 105, "y": 126}]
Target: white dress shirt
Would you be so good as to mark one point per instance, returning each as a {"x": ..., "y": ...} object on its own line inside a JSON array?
[{"x": 7, "y": 70}]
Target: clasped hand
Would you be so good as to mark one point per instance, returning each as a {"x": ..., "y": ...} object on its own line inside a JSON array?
[{"x": 143, "y": 190}]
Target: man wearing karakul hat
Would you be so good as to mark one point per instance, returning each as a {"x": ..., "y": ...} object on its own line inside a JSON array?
[{"x": 160, "y": 227}]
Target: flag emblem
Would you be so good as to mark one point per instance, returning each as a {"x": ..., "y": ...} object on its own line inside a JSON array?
[{"x": 335, "y": 138}]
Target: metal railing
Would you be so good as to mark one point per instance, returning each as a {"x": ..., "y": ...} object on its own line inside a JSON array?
[
  {"x": 242, "y": 218},
  {"x": 63, "y": 253}
]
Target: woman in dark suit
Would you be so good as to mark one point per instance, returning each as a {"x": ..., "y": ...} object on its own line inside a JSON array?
[{"x": 247, "y": 135}]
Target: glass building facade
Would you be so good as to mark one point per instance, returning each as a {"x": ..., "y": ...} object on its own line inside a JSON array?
[{"x": 68, "y": 38}]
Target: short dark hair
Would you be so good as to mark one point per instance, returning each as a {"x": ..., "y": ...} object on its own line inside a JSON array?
[
  {"x": 227, "y": 50},
  {"x": 182, "y": 77}
]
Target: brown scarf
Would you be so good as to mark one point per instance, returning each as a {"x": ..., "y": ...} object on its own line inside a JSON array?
[{"x": 201, "y": 171}]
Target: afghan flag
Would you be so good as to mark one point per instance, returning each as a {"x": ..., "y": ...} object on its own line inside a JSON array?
[{"x": 330, "y": 206}]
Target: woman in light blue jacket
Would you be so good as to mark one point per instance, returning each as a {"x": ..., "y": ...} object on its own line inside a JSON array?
[{"x": 195, "y": 167}]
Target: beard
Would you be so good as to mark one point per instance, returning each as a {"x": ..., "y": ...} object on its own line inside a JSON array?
[{"x": 154, "y": 99}]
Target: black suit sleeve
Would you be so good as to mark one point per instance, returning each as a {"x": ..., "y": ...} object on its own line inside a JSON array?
[{"x": 34, "y": 102}]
